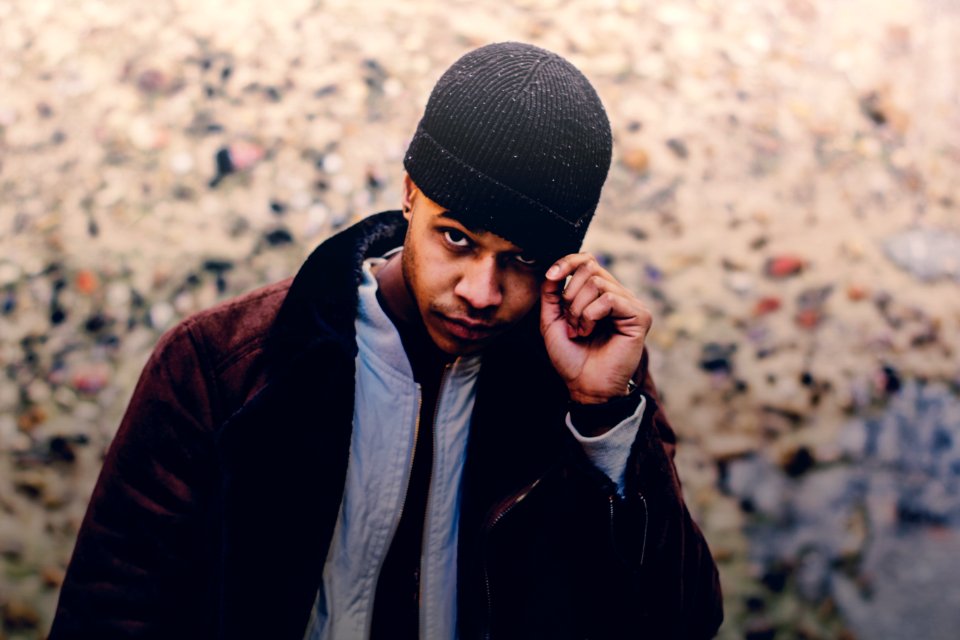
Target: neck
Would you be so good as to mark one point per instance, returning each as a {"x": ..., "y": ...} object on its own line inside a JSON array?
[{"x": 394, "y": 293}]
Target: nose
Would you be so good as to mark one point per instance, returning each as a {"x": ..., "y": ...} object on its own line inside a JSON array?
[{"x": 479, "y": 284}]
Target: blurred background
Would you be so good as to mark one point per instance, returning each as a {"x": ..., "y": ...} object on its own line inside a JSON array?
[{"x": 783, "y": 197}]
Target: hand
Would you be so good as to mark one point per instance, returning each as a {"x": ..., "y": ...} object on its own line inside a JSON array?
[{"x": 593, "y": 328}]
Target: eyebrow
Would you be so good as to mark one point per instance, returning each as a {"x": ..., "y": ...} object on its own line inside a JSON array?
[{"x": 450, "y": 215}]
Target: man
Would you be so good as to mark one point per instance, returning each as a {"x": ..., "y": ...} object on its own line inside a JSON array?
[{"x": 443, "y": 426}]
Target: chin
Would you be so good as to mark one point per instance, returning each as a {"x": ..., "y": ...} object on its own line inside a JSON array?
[
  {"x": 457, "y": 349},
  {"x": 454, "y": 347}
]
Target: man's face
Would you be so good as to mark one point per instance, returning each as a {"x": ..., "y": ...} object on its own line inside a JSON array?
[{"x": 469, "y": 286}]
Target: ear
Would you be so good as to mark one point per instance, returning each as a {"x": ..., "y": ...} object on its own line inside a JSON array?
[{"x": 409, "y": 193}]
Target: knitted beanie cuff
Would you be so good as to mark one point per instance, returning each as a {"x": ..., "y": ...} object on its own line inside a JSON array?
[{"x": 480, "y": 202}]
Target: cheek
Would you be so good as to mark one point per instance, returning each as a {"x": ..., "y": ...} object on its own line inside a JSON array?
[
  {"x": 435, "y": 276},
  {"x": 524, "y": 294}
]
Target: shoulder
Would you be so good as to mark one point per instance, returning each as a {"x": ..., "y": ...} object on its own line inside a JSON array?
[
  {"x": 240, "y": 324},
  {"x": 226, "y": 343}
]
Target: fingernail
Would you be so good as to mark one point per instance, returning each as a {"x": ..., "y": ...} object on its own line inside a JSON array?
[{"x": 553, "y": 271}]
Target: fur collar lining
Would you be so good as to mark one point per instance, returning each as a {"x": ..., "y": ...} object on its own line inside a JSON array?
[{"x": 321, "y": 305}]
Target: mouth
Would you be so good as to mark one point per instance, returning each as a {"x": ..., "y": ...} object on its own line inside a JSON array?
[{"x": 468, "y": 330}]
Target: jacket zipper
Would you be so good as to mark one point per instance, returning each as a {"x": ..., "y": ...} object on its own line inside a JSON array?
[
  {"x": 500, "y": 513},
  {"x": 646, "y": 522},
  {"x": 403, "y": 502},
  {"x": 426, "y": 511},
  {"x": 508, "y": 507}
]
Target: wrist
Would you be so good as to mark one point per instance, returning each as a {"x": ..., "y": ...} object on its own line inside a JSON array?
[
  {"x": 588, "y": 398},
  {"x": 592, "y": 420}
]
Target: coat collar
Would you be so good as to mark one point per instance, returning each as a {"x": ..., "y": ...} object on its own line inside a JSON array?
[
  {"x": 283, "y": 455},
  {"x": 322, "y": 302}
]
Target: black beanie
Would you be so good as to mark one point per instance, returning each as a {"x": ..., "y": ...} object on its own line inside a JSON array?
[{"x": 514, "y": 140}]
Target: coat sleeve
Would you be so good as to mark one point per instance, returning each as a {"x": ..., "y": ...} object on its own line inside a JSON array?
[
  {"x": 140, "y": 565},
  {"x": 664, "y": 548}
]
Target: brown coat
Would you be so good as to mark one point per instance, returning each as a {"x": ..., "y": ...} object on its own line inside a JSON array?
[{"x": 218, "y": 497}]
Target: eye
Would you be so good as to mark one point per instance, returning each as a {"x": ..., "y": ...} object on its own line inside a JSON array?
[
  {"x": 525, "y": 261},
  {"x": 456, "y": 238}
]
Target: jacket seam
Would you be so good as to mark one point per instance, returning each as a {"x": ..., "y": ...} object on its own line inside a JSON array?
[
  {"x": 249, "y": 344},
  {"x": 246, "y": 349},
  {"x": 210, "y": 381}
]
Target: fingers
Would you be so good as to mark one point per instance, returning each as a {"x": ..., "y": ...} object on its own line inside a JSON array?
[
  {"x": 554, "y": 295},
  {"x": 592, "y": 290},
  {"x": 629, "y": 316},
  {"x": 581, "y": 268},
  {"x": 567, "y": 265},
  {"x": 586, "y": 281},
  {"x": 591, "y": 277},
  {"x": 591, "y": 295},
  {"x": 552, "y": 289},
  {"x": 598, "y": 309},
  {"x": 550, "y": 301}
]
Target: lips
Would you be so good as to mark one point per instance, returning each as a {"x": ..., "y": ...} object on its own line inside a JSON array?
[{"x": 466, "y": 329}]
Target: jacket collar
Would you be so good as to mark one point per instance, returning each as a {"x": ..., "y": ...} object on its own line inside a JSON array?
[
  {"x": 322, "y": 301},
  {"x": 283, "y": 454}
]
